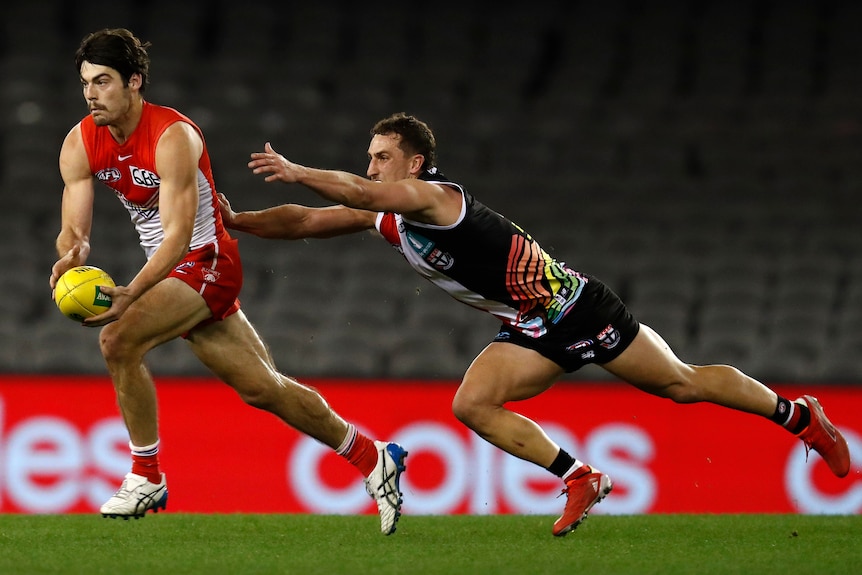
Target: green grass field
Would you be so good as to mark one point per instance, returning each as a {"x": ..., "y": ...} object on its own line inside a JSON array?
[{"x": 308, "y": 544}]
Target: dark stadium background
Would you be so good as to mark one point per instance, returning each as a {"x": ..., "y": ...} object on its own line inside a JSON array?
[{"x": 700, "y": 156}]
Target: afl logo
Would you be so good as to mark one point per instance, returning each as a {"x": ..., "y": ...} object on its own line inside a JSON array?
[{"x": 108, "y": 175}]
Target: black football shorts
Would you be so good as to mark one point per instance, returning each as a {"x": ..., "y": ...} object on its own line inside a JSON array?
[{"x": 597, "y": 329}]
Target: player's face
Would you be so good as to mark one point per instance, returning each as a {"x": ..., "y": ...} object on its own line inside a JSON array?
[
  {"x": 386, "y": 161},
  {"x": 108, "y": 99}
]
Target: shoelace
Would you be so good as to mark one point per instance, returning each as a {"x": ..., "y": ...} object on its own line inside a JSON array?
[
  {"x": 809, "y": 445},
  {"x": 123, "y": 489},
  {"x": 587, "y": 471},
  {"x": 387, "y": 491}
]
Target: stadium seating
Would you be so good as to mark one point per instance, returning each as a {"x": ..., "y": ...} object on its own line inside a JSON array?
[{"x": 702, "y": 158}]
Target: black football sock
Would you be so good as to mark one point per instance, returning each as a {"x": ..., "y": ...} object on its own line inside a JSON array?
[
  {"x": 562, "y": 463},
  {"x": 793, "y": 416}
]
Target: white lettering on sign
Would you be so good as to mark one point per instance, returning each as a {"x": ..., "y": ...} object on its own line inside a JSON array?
[
  {"x": 481, "y": 475},
  {"x": 47, "y": 465}
]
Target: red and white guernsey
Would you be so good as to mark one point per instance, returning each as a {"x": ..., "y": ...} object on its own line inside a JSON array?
[{"x": 129, "y": 169}]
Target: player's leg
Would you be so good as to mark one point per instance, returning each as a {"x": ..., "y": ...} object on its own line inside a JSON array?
[
  {"x": 649, "y": 364},
  {"x": 503, "y": 373},
  {"x": 163, "y": 313},
  {"x": 235, "y": 352}
]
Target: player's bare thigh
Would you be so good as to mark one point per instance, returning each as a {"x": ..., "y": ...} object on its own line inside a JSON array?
[
  {"x": 232, "y": 349},
  {"x": 507, "y": 372},
  {"x": 165, "y": 312},
  {"x": 649, "y": 363}
]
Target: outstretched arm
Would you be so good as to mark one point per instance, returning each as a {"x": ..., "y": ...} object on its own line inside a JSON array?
[
  {"x": 417, "y": 199},
  {"x": 293, "y": 221}
]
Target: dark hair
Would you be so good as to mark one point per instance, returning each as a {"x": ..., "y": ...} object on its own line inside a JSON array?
[
  {"x": 119, "y": 49},
  {"x": 416, "y": 136}
]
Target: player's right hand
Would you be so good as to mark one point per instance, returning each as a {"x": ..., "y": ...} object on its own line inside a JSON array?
[
  {"x": 62, "y": 265},
  {"x": 227, "y": 213}
]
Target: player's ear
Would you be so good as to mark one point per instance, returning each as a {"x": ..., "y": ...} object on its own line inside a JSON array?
[
  {"x": 416, "y": 164},
  {"x": 135, "y": 81}
]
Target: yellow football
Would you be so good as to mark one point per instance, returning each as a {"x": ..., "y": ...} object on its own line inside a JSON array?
[{"x": 78, "y": 293}]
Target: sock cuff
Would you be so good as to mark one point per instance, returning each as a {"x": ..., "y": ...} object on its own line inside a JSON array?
[
  {"x": 575, "y": 466},
  {"x": 146, "y": 450},
  {"x": 347, "y": 442},
  {"x": 790, "y": 413}
]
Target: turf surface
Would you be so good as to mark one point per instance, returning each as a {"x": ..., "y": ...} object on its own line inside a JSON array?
[{"x": 175, "y": 543}]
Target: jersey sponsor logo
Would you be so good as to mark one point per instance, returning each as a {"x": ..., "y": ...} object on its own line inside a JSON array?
[
  {"x": 109, "y": 175},
  {"x": 124, "y": 158},
  {"x": 609, "y": 337},
  {"x": 429, "y": 252},
  {"x": 147, "y": 211},
  {"x": 144, "y": 178}
]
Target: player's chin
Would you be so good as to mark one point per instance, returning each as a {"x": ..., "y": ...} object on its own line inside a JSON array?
[{"x": 99, "y": 118}]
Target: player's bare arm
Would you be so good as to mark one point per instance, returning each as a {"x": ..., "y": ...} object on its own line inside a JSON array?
[
  {"x": 177, "y": 155},
  {"x": 399, "y": 192},
  {"x": 339, "y": 187},
  {"x": 73, "y": 241},
  {"x": 294, "y": 221}
]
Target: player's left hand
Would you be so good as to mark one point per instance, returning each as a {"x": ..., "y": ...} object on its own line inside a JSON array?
[
  {"x": 121, "y": 299},
  {"x": 277, "y": 166}
]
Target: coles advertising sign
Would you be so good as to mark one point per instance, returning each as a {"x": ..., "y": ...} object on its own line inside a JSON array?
[{"x": 64, "y": 449}]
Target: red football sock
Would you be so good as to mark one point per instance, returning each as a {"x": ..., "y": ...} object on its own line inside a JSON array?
[
  {"x": 359, "y": 450},
  {"x": 145, "y": 462}
]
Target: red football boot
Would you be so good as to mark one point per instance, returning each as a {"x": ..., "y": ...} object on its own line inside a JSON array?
[
  {"x": 824, "y": 438},
  {"x": 584, "y": 488}
]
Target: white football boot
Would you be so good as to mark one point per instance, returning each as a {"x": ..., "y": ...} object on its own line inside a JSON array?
[
  {"x": 135, "y": 496},
  {"x": 383, "y": 484}
]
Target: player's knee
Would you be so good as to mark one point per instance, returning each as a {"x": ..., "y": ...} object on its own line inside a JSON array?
[
  {"x": 114, "y": 346},
  {"x": 259, "y": 396},
  {"x": 461, "y": 409},
  {"x": 469, "y": 412},
  {"x": 687, "y": 387},
  {"x": 680, "y": 392},
  {"x": 274, "y": 393}
]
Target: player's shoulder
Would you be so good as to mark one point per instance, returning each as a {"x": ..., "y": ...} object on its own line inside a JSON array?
[
  {"x": 74, "y": 139},
  {"x": 435, "y": 177},
  {"x": 159, "y": 115}
]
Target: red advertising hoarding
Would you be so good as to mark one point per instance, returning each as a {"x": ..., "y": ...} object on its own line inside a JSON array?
[{"x": 63, "y": 449}]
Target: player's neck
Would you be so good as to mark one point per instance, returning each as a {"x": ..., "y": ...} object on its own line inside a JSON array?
[{"x": 122, "y": 129}]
